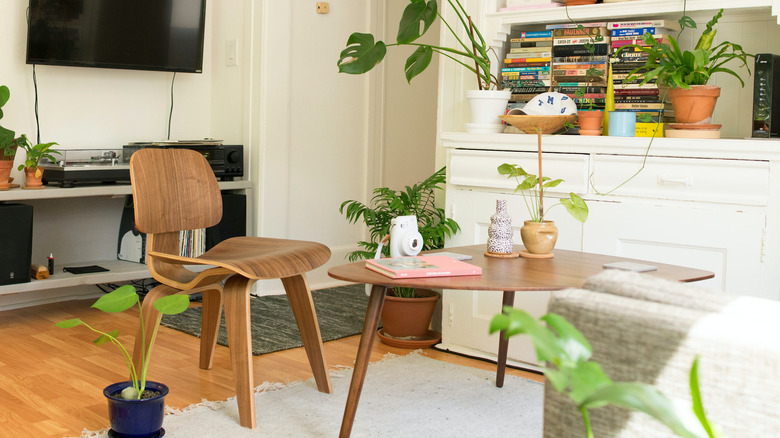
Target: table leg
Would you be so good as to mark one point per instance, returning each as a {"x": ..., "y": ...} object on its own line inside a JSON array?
[
  {"x": 370, "y": 324},
  {"x": 503, "y": 342}
]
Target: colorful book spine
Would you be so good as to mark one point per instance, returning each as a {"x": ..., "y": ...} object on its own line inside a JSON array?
[
  {"x": 576, "y": 25},
  {"x": 637, "y": 31},
  {"x": 666, "y": 24},
  {"x": 577, "y": 49},
  {"x": 542, "y": 34},
  {"x": 637, "y": 42},
  {"x": 527, "y": 59},
  {"x": 578, "y": 40},
  {"x": 584, "y": 31},
  {"x": 511, "y": 69}
]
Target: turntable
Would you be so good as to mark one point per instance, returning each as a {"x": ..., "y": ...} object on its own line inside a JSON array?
[{"x": 88, "y": 166}]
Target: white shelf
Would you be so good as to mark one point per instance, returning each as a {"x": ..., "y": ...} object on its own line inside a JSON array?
[
  {"x": 118, "y": 189},
  {"x": 641, "y": 8},
  {"x": 118, "y": 270},
  {"x": 729, "y": 149}
]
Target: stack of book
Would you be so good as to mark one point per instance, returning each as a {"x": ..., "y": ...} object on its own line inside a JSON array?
[
  {"x": 526, "y": 69},
  {"x": 579, "y": 63},
  {"x": 630, "y": 95}
]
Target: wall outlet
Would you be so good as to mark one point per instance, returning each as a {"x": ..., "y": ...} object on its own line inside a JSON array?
[
  {"x": 323, "y": 7},
  {"x": 231, "y": 53}
]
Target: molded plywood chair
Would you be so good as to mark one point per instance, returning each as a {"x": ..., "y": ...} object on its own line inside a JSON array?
[{"x": 174, "y": 190}]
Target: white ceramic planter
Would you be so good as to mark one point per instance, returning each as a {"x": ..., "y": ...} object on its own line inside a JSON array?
[{"x": 486, "y": 106}]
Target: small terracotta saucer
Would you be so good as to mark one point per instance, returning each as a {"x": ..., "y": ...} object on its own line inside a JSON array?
[
  {"x": 34, "y": 188},
  {"x": 428, "y": 339},
  {"x": 528, "y": 255},
  {"x": 590, "y": 131},
  {"x": 696, "y": 126}
]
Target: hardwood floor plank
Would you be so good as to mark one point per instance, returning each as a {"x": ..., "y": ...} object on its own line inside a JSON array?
[{"x": 52, "y": 379}]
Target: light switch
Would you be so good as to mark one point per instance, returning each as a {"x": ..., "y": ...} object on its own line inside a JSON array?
[
  {"x": 231, "y": 53},
  {"x": 323, "y": 7}
]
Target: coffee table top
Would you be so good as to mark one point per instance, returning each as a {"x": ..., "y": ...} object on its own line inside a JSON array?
[{"x": 566, "y": 269}]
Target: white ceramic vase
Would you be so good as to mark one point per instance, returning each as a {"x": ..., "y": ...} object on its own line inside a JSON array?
[{"x": 486, "y": 106}]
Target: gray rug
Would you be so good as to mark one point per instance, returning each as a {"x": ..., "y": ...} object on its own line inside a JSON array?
[
  {"x": 407, "y": 396},
  {"x": 340, "y": 313}
]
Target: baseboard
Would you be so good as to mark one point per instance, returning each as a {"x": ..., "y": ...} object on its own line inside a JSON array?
[{"x": 477, "y": 354}]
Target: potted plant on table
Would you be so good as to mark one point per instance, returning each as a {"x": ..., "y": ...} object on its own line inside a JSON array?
[
  {"x": 33, "y": 155},
  {"x": 539, "y": 235},
  {"x": 136, "y": 407},
  {"x": 687, "y": 72},
  {"x": 385, "y": 205},
  {"x": 364, "y": 52}
]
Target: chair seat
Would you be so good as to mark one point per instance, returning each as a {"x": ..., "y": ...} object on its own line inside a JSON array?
[{"x": 258, "y": 257}]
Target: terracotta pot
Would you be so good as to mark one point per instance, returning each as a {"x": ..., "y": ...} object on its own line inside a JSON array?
[
  {"x": 5, "y": 172},
  {"x": 33, "y": 177},
  {"x": 539, "y": 237},
  {"x": 590, "y": 122},
  {"x": 695, "y": 104},
  {"x": 579, "y": 2},
  {"x": 403, "y": 317}
]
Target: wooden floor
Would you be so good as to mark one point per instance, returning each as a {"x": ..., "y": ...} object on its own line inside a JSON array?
[{"x": 51, "y": 379}]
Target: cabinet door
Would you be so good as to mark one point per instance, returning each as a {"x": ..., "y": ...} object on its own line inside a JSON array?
[
  {"x": 722, "y": 239},
  {"x": 466, "y": 315}
]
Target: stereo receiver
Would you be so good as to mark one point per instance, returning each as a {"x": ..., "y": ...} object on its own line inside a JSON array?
[{"x": 227, "y": 161}]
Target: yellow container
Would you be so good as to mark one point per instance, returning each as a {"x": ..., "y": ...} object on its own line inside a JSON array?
[{"x": 646, "y": 129}]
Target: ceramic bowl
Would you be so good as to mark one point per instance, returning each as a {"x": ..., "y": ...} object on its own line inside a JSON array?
[{"x": 530, "y": 124}]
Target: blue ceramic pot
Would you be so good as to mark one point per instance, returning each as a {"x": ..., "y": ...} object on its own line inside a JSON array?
[{"x": 135, "y": 418}]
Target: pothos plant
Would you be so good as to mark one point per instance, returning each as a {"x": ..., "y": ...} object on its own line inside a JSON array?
[
  {"x": 119, "y": 300},
  {"x": 571, "y": 372},
  {"x": 363, "y": 53},
  {"x": 532, "y": 188},
  {"x": 387, "y": 204},
  {"x": 34, "y": 154}
]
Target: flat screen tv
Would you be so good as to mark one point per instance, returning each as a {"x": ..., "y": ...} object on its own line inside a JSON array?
[{"x": 163, "y": 35}]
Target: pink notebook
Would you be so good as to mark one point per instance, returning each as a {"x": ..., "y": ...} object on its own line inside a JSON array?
[{"x": 422, "y": 266}]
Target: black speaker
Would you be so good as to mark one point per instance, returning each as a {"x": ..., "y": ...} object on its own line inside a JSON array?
[
  {"x": 233, "y": 223},
  {"x": 16, "y": 245},
  {"x": 766, "y": 96}
]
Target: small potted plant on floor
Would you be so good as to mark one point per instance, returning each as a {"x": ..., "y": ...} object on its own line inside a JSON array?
[
  {"x": 385, "y": 205},
  {"x": 31, "y": 166},
  {"x": 488, "y": 101},
  {"x": 136, "y": 407},
  {"x": 687, "y": 72},
  {"x": 539, "y": 235}
]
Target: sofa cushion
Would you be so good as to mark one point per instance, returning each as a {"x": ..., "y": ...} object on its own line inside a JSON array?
[{"x": 650, "y": 330}]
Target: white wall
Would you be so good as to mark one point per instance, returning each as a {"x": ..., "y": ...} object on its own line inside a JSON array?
[{"x": 313, "y": 137}]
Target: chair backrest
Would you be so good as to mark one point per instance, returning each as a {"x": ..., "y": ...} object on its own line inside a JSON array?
[{"x": 174, "y": 189}]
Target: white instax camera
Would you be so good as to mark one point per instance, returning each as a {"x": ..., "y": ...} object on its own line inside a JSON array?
[{"x": 405, "y": 240}]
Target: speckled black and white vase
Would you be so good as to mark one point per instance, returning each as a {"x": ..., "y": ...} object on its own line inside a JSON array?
[{"x": 500, "y": 230}]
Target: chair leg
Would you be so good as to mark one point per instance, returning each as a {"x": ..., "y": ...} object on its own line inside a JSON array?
[
  {"x": 209, "y": 325},
  {"x": 298, "y": 293},
  {"x": 240, "y": 341},
  {"x": 149, "y": 324}
]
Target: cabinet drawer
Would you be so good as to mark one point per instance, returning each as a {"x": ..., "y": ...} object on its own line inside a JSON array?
[
  {"x": 480, "y": 169},
  {"x": 688, "y": 179}
]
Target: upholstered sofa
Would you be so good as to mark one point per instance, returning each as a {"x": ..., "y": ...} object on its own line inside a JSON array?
[{"x": 645, "y": 329}]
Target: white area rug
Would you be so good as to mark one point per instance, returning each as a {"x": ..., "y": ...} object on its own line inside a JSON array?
[{"x": 403, "y": 396}]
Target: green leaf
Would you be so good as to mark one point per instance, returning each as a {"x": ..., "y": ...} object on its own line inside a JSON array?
[
  {"x": 558, "y": 379},
  {"x": 644, "y": 398},
  {"x": 172, "y": 304},
  {"x": 573, "y": 343},
  {"x": 416, "y": 12},
  {"x": 361, "y": 54},
  {"x": 552, "y": 183},
  {"x": 586, "y": 379},
  {"x": 113, "y": 334},
  {"x": 118, "y": 300},
  {"x": 5, "y": 94},
  {"x": 418, "y": 62},
  {"x": 69, "y": 323},
  {"x": 698, "y": 404},
  {"x": 576, "y": 207}
]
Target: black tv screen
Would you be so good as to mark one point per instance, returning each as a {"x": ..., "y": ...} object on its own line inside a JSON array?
[{"x": 164, "y": 35}]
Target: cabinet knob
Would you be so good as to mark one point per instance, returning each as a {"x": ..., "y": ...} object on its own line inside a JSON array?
[{"x": 671, "y": 180}]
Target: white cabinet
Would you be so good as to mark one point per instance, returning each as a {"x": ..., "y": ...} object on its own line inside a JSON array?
[{"x": 710, "y": 204}]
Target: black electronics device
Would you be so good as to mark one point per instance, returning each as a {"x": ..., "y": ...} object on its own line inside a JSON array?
[
  {"x": 227, "y": 161},
  {"x": 16, "y": 244},
  {"x": 766, "y": 96},
  {"x": 163, "y": 35}
]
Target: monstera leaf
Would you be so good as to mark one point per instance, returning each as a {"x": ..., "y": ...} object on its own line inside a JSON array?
[
  {"x": 418, "y": 62},
  {"x": 361, "y": 54},
  {"x": 418, "y": 11}
]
